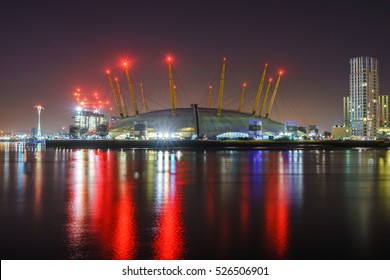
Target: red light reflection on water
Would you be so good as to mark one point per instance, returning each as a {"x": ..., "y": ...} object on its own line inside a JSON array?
[
  {"x": 169, "y": 241},
  {"x": 101, "y": 210},
  {"x": 276, "y": 212}
]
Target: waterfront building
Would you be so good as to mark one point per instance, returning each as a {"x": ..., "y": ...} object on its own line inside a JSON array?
[
  {"x": 363, "y": 94},
  {"x": 313, "y": 131},
  {"x": 291, "y": 128},
  {"x": 341, "y": 132},
  {"x": 383, "y": 111},
  {"x": 162, "y": 124},
  {"x": 87, "y": 120},
  {"x": 347, "y": 111}
]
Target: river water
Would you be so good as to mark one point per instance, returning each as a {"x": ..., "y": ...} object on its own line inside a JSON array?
[{"x": 185, "y": 204}]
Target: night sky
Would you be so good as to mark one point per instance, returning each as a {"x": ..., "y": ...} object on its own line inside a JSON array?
[{"x": 49, "y": 48}]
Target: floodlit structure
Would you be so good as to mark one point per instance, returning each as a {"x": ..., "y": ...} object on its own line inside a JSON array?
[
  {"x": 162, "y": 124},
  {"x": 39, "y": 109},
  {"x": 184, "y": 122}
]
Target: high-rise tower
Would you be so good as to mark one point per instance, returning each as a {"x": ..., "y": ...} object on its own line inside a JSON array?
[
  {"x": 383, "y": 111},
  {"x": 363, "y": 93},
  {"x": 347, "y": 111}
]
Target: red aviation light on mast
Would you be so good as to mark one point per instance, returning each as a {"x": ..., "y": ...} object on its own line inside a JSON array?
[
  {"x": 281, "y": 72},
  {"x": 244, "y": 84},
  {"x": 210, "y": 86},
  {"x": 169, "y": 59},
  {"x": 270, "y": 80},
  {"x": 108, "y": 71}
]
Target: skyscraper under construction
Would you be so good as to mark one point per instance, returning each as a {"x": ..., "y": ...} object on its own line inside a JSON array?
[{"x": 363, "y": 93}]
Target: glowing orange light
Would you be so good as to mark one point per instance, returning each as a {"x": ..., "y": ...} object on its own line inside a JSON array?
[
  {"x": 108, "y": 71},
  {"x": 116, "y": 79},
  {"x": 281, "y": 72},
  {"x": 169, "y": 58},
  {"x": 244, "y": 84},
  {"x": 270, "y": 80}
]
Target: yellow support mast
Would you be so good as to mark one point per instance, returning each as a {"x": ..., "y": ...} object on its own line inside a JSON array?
[
  {"x": 221, "y": 85},
  {"x": 174, "y": 96},
  {"x": 131, "y": 89},
  {"x": 118, "y": 105},
  {"x": 143, "y": 98},
  {"x": 257, "y": 100},
  {"x": 210, "y": 94},
  {"x": 242, "y": 97},
  {"x": 171, "y": 86},
  {"x": 265, "y": 97},
  {"x": 118, "y": 87},
  {"x": 273, "y": 95}
]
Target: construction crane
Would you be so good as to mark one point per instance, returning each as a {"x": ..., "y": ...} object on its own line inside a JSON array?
[
  {"x": 118, "y": 105},
  {"x": 171, "y": 85},
  {"x": 273, "y": 95},
  {"x": 242, "y": 97},
  {"x": 126, "y": 113},
  {"x": 131, "y": 89},
  {"x": 221, "y": 85},
  {"x": 209, "y": 98},
  {"x": 143, "y": 98},
  {"x": 265, "y": 97},
  {"x": 257, "y": 100}
]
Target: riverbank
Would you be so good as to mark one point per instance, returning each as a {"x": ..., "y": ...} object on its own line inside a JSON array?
[{"x": 215, "y": 144}]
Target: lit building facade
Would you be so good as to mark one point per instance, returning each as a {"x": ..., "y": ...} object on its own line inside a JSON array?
[
  {"x": 347, "y": 111},
  {"x": 383, "y": 111},
  {"x": 86, "y": 120},
  {"x": 363, "y": 94}
]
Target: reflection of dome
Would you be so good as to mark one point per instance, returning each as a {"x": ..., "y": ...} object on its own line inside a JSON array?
[{"x": 183, "y": 123}]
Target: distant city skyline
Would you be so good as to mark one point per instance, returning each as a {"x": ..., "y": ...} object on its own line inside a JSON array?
[{"x": 50, "y": 49}]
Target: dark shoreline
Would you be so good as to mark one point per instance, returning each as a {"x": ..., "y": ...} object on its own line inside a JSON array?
[{"x": 215, "y": 144}]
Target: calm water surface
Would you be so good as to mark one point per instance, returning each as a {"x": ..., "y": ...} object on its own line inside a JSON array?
[{"x": 183, "y": 204}]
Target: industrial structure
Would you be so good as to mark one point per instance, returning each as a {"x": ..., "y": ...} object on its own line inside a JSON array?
[
  {"x": 39, "y": 109},
  {"x": 185, "y": 122}
]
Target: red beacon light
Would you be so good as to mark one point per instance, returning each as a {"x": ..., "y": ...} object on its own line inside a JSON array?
[
  {"x": 281, "y": 72},
  {"x": 107, "y": 71},
  {"x": 244, "y": 84}
]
